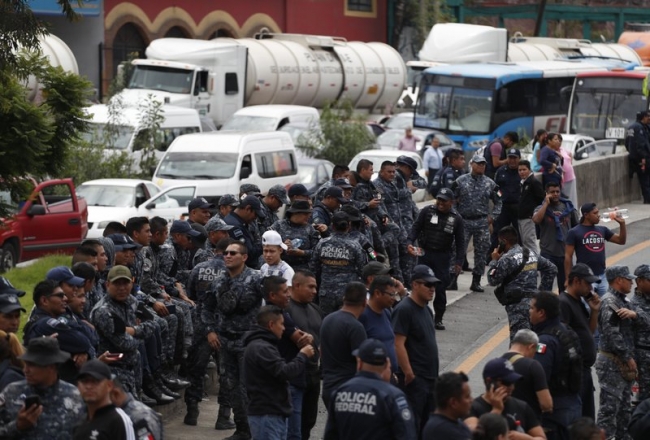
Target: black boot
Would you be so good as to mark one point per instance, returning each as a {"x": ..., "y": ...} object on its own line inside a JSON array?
[
  {"x": 241, "y": 433},
  {"x": 173, "y": 382},
  {"x": 192, "y": 416},
  {"x": 165, "y": 390},
  {"x": 476, "y": 284},
  {"x": 142, "y": 397},
  {"x": 223, "y": 419},
  {"x": 151, "y": 389},
  {"x": 453, "y": 285}
]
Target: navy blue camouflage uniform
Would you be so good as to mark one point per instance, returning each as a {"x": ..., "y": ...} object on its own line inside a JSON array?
[
  {"x": 521, "y": 289},
  {"x": 230, "y": 310},
  {"x": 473, "y": 194},
  {"x": 641, "y": 302},
  {"x": 242, "y": 232},
  {"x": 147, "y": 424},
  {"x": 444, "y": 178},
  {"x": 309, "y": 236},
  {"x": 336, "y": 261}
]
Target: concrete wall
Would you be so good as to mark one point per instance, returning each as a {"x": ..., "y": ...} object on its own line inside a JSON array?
[{"x": 605, "y": 181}]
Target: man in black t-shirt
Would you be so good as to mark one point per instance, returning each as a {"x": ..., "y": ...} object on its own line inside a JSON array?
[
  {"x": 500, "y": 377},
  {"x": 583, "y": 320},
  {"x": 532, "y": 388},
  {"x": 453, "y": 403},
  {"x": 415, "y": 344}
]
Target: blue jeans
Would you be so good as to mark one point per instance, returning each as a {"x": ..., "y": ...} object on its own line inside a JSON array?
[
  {"x": 601, "y": 287},
  {"x": 294, "y": 422},
  {"x": 268, "y": 427}
]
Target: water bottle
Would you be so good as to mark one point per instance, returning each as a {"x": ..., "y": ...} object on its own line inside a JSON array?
[
  {"x": 613, "y": 213},
  {"x": 635, "y": 393},
  {"x": 518, "y": 426},
  {"x": 295, "y": 243}
]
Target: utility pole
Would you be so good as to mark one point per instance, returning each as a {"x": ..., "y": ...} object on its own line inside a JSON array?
[{"x": 540, "y": 18}]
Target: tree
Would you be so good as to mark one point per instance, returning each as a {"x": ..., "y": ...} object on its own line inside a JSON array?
[
  {"x": 34, "y": 135},
  {"x": 340, "y": 137}
]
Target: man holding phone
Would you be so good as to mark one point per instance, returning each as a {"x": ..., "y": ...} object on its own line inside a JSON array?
[
  {"x": 41, "y": 406},
  {"x": 583, "y": 321}
]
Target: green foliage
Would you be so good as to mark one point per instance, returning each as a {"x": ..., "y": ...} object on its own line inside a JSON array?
[
  {"x": 149, "y": 136},
  {"x": 26, "y": 278},
  {"x": 341, "y": 136}
]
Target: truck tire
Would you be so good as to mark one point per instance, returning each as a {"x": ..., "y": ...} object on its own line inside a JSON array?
[{"x": 8, "y": 257}]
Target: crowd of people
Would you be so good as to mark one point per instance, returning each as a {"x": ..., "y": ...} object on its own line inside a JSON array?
[{"x": 336, "y": 291}]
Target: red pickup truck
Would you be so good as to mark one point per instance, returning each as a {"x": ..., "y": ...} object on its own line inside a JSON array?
[{"x": 52, "y": 220}]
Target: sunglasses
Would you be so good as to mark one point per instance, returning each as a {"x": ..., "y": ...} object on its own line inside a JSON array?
[
  {"x": 58, "y": 295},
  {"x": 231, "y": 253},
  {"x": 425, "y": 284}
]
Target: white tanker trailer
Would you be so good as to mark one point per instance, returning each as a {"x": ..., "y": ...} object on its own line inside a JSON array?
[{"x": 220, "y": 76}]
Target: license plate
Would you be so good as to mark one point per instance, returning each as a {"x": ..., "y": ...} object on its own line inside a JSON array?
[{"x": 615, "y": 133}]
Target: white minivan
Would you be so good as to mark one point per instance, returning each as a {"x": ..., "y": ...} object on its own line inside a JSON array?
[
  {"x": 270, "y": 117},
  {"x": 219, "y": 163},
  {"x": 127, "y": 125}
]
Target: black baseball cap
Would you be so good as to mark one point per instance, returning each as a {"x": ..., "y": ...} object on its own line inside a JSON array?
[
  {"x": 375, "y": 268},
  {"x": 513, "y": 152},
  {"x": 183, "y": 227},
  {"x": 199, "y": 203},
  {"x": 445, "y": 194},
  {"x": 255, "y": 205},
  {"x": 9, "y": 303},
  {"x": 7, "y": 288},
  {"x": 424, "y": 273},
  {"x": 96, "y": 369},
  {"x": 584, "y": 272},
  {"x": 372, "y": 351},
  {"x": 502, "y": 369},
  {"x": 336, "y": 192}
]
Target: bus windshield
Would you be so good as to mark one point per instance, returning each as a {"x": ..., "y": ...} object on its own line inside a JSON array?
[
  {"x": 454, "y": 109},
  {"x": 603, "y": 107}
]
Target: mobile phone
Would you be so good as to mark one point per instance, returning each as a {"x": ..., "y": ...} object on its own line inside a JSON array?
[
  {"x": 114, "y": 356},
  {"x": 502, "y": 246},
  {"x": 32, "y": 400},
  {"x": 589, "y": 296}
]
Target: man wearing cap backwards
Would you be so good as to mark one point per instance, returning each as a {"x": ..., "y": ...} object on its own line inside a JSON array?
[
  {"x": 366, "y": 407},
  {"x": 588, "y": 239},
  {"x": 298, "y": 234},
  {"x": 584, "y": 322},
  {"x": 641, "y": 301},
  {"x": 10, "y": 307},
  {"x": 637, "y": 144},
  {"x": 560, "y": 354},
  {"x": 514, "y": 270},
  {"x": 227, "y": 203},
  {"x": 336, "y": 261},
  {"x": 509, "y": 182},
  {"x": 326, "y": 207},
  {"x": 199, "y": 211},
  {"x": 229, "y": 312},
  {"x": 416, "y": 346},
  {"x": 242, "y": 218},
  {"x": 274, "y": 264},
  {"x": 473, "y": 193},
  {"x": 48, "y": 317},
  {"x": 500, "y": 377},
  {"x": 105, "y": 420},
  {"x": 439, "y": 232},
  {"x": 61, "y": 407},
  {"x": 114, "y": 318},
  {"x": 615, "y": 364}
]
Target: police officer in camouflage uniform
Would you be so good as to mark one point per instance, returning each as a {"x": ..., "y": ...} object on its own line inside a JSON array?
[
  {"x": 227, "y": 203},
  {"x": 446, "y": 177},
  {"x": 147, "y": 424},
  {"x": 436, "y": 229},
  {"x": 242, "y": 218},
  {"x": 339, "y": 172},
  {"x": 336, "y": 261},
  {"x": 326, "y": 207},
  {"x": 473, "y": 193},
  {"x": 360, "y": 232},
  {"x": 615, "y": 364},
  {"x": 217, "y": 229},
  {"x": 641, "y": 301},
  {"x": 271, "y": 203},
  {"x": 199, "y": 287},
  {"x": 229, "y": 311},
  {"x": 114, "y": 318},
  {"x": 61, "y": 407},
  {"x": 298, "y": 234},
  {"x": 518, "y": 279}
]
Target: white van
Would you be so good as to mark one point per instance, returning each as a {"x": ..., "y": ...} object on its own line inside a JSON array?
[
  {"x": 127, "y": 125},
  {"x": 218, "y": 163},
  {"x": 270, "y": 117}
]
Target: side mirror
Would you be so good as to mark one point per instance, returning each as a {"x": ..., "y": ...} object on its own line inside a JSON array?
[
  {"x": 139, "y": 201},
  {"x": 36, "y": 210},
  {"x": 245, "y": 172},
  {"x": 151, "y": 205}
]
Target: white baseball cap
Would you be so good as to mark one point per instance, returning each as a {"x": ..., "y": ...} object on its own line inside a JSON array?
[{"x": 272, "y": 238}]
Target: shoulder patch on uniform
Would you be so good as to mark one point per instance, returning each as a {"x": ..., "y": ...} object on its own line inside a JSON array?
[
  {"x": 401, "y": 402},
  {"x": 406, "y": 414},
  {"x": 541, "y": 348}
]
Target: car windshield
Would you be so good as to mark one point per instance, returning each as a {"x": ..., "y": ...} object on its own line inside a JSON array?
[
  {"x": 390, "y": 138},
  {"x": 306, "y": 173},
  {"x": 107, "y": 195},
  {"x": 109, "y": 135},
  {"x": 197, "y": 165},
  {"x": 594, "y": 112},
  {"x": 250, "y": 123},
  {"x": 165, "y": 79},
  {"x": 400, "y": 121}
]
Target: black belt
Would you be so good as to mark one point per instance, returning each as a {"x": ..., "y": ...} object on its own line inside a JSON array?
[
  {"x": 642, "y": 347},
  {"x": 474, "y": 217}
]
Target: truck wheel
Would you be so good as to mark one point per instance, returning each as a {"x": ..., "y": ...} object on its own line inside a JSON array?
[{"x": 8, "y": 257}]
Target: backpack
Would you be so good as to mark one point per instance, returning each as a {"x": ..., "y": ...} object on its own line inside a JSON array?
[
  {"x": 489, "y": 168},
  {"x": 569, "y": 379}
]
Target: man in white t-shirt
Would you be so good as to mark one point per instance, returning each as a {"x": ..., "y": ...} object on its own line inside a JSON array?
[{"x": 272, "y": 254}]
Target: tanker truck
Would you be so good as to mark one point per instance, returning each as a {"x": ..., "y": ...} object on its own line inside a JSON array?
[
  {"x": 220, "y": 76},
  {"x": 58, "y": 54}
]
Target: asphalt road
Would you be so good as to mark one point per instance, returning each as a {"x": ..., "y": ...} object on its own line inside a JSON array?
[{"x": 476, "y": 332}]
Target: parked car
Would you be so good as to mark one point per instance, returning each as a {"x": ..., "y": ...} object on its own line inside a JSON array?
[
  {"x": 314, "y": 172},
  {"x": 120, "y": 199},
  {"x": 53, "y": 219},
  {"x": 400, "y": 120},
  {"x": 379, "y": 156}
]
